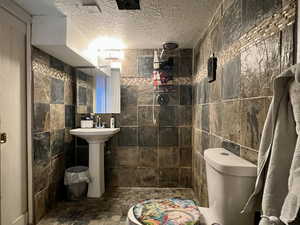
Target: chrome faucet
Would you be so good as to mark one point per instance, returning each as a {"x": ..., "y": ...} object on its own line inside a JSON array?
[{"x": 98, "y": 121}]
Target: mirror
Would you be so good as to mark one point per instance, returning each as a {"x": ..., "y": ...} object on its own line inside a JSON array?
[{"x": 98, "y": 91}]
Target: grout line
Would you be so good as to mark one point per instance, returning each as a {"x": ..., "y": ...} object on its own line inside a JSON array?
[{"x": 223, "y": 139}]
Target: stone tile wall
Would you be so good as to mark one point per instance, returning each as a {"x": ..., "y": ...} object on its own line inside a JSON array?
[
  {"x": 253, "y": 41},
  {"x": 145, "y": 153},
  {"x": 53, "y": 117}
]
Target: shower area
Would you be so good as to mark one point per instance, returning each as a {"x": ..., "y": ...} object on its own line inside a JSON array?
[{"x": 154, "y": 146}]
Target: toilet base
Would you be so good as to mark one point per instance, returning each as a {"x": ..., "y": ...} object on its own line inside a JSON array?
[
  {"x": 206, "y": 217},
  {"x": 131, "y": 220}
]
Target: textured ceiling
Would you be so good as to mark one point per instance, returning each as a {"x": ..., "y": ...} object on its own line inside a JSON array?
[{"x": 158, "y": 20}]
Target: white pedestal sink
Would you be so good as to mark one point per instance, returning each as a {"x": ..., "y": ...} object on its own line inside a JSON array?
[{"x": 96, "y": 137}]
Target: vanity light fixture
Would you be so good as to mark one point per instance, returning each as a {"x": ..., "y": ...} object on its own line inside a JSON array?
[{"x": 111, "y": 54}]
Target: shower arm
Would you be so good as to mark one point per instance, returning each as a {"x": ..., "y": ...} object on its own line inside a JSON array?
[{"x": 162, "y": 53}]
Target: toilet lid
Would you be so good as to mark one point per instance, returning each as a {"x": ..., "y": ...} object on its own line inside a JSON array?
[{"x": 173, "y": 211}]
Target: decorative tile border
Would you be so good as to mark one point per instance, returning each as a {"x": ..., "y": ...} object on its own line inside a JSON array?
[
  {"x": 45, "y": 69},
  {"x": 149, "y": 81},
  {"x": 183, "y": 80},
  {"x": 267, "y": 28},
  {"x": 131, "y": 81},
  {"x": 200, "y": 75},
  {"x": 128, "y": 81}
]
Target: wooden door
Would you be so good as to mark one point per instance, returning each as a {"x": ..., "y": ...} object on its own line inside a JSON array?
[{"x": 13, "y": 163}]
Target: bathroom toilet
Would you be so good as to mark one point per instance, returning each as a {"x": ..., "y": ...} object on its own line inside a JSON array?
[{"x": 230, "y": 181}]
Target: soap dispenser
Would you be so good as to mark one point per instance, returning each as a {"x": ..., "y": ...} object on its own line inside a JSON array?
[{"x": 112, "y": 122}]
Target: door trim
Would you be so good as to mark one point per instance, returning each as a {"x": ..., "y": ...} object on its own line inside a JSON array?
[
  {"x": 25, "y": 17},
  {"x": 297, "y": 44},
  {"x": 21, "y": 220}
]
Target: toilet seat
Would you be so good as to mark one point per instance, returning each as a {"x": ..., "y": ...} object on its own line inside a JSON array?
[{"x": 173, "y": 211}]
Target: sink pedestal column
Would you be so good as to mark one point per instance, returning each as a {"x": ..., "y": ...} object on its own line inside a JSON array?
[
  {"x": 96, "y": 169},
  {"x": 96, "y": 137}
]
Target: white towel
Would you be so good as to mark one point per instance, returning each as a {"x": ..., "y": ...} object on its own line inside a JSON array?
[
  {"x": 291, "y": 204},
  {"x": 277, "y": 187}
]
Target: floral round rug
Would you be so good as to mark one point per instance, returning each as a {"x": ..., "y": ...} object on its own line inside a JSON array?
[{"x": 173, "y": 211}]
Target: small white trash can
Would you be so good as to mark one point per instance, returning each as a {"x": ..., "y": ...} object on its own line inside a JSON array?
[{"x": 76, "y": 181}]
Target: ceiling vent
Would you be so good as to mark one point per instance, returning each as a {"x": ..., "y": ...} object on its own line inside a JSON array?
[
  {"x": 128, "y": 4},
  {"x": 91, "y": 4}
]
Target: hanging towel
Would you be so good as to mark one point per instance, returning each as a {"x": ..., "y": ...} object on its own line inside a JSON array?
[
  {"x": 291, "y": 204},
  {"x": 277, "y": 185}
]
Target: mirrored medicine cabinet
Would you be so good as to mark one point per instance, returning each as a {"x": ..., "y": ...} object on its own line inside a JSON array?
[{"x": 98, "y": 91}]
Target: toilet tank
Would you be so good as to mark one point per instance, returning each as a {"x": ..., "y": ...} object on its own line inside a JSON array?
[{"x": 230, "y": 181}]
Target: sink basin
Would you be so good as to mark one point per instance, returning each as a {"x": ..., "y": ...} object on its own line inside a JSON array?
[
  {"x": 96, "y": 138},
  {"x": 94, "y": 135}
]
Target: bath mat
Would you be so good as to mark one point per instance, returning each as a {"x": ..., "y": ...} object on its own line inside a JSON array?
[{"x": 173, "y": 211}]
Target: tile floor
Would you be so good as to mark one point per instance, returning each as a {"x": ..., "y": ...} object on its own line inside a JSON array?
[{"x": 111, "y": 208}]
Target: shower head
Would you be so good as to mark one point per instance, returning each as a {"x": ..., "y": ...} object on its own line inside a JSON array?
[{"x": 169, "y": 46}]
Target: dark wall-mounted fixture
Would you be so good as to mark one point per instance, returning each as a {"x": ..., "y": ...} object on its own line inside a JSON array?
[
  {"x": 162, "y": 99},
  {"x": 92, "y": 3},
  {"x": 212, "y": 68},
  {"x": 128, "y": 4}
]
